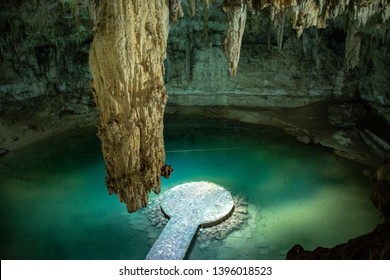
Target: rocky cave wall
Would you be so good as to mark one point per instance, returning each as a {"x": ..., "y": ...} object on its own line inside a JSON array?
[
  {"x": 304, "y": 70},
  {"x": 44, "y": 48},
  {"x": 341, "y": 52}
]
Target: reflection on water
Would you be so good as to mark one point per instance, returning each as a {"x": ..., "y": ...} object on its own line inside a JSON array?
[{"x": 54, "y": 204}]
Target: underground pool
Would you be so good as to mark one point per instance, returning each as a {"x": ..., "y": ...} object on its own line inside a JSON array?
[{"x": 54, "y": 203}]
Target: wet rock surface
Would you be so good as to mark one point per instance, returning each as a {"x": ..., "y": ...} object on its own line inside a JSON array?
[
  {"x": 346, "y": 115},
  {"x": 236, "y": 221},
  {"x": 44, "y": 49},
  {"x": 372, "y": 246},
  {"x": 380, "y": 194}
]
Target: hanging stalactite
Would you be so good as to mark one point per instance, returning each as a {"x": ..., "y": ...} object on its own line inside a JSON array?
[
  {"x": 352, "y": 47},
  {"x": 206, "y": 18},
  {"x": 279, "y": 21},
  {"x": 126, "y": 61},
  {"x": 192, "y": 6},
  {"x": 301, "y": 14},
  {"x": 175, "y": 10},
  {"x": 236, "y": 14}
]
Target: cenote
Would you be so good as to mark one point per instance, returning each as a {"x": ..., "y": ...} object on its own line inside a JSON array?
[{"x": 54, "y": 203}]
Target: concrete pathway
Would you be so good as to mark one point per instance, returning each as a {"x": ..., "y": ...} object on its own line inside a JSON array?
[{"x": 189, "y": 206}]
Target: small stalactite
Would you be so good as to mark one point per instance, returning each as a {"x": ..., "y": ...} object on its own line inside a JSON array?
[
  {"x": 316, "y": 51},
  {"x": 278, "y": 22},
  {"x": 188, "y": 47},
  {"x": 206, "y": 19},
  {"x": 175, "y": 10},
  {"x": 353, "y": 43},
  {"x": 269, "y": 34},
  {"x": 207, "y": 3},
  {"x": 192, "y": 6},
  {"x": 236, "y": 11},
  {"x": 1, "y": 50},
  {"x": 298, "y": 47},
  {"x": 256, "y": 5}
]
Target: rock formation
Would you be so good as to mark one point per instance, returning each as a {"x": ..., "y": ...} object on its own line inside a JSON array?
[
  {"x": 166, "y": 171},
  {"x": 44, "y": 48},
  {"x": 380, "y": 194},
  {"x": 126, "y": 61},
  {"x": 302, "y": 14},
  {"x": 371, "y": 246},
  {"x": 236, "y": 14}
]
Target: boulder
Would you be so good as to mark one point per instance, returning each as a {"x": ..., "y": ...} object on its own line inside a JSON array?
[
  {"x": 371, "y": 246},
  {"x": 346, "y": 114}
]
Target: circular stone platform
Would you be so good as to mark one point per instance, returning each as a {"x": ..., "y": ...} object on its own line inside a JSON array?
[
  {"x": 203, "y": 203},
  {"x": 189, "y": 206}
]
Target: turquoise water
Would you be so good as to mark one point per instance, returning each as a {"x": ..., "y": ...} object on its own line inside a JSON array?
[{"x": 54, "y": 204}]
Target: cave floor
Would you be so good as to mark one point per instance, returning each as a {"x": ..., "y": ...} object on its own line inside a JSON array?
[{"x": 21, "y": 127}]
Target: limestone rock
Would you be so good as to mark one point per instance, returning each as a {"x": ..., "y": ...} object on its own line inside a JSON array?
[
  {"x": 305, "y": 139},
  {"x": 380, "y": 194},
  {"x": 346, "y": 114},
  {"x": 175, "y": 9},
  {"x": 315, "y": 13},
  {"x": 43, "y": 50},
  {"x": 236, "y": 15},
  {"x": 342, "y": 138},
  {"x": 373, "y": 245},
  {"x": 126, "y": 61}
]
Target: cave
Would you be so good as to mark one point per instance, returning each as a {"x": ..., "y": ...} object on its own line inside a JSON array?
[{"x": 107, "y": 105}]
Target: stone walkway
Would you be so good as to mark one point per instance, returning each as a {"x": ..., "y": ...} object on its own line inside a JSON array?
[{"x": 189, "y": 206}]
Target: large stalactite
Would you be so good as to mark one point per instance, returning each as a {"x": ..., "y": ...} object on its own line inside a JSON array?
[{"x": 126, "y": 61}]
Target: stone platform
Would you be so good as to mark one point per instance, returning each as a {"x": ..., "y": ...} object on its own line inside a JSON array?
[{"x": 189, "y": 206}]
